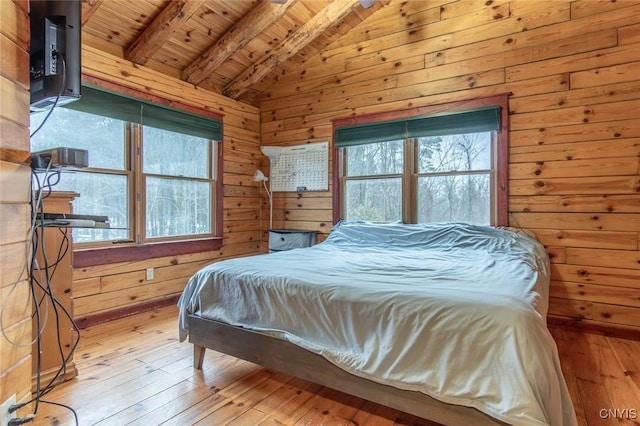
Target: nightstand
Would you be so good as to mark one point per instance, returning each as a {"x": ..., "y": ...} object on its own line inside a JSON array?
[{"x": 287, "y": 239}]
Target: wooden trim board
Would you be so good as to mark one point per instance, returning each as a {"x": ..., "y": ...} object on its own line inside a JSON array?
[
  {"x": 584, "y": 326},
  {"x": 91, "y": 320}
]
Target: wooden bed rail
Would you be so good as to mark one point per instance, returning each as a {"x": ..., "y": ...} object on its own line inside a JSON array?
[{"x": 280, "y": 355}]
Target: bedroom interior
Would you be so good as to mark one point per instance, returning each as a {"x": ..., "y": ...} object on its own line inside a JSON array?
[{"x": 283, "y": 74}]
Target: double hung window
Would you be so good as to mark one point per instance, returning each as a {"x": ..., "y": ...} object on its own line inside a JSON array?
[
  {"x": 152, "y": 168},
  {"x": 439, "y": 167}
]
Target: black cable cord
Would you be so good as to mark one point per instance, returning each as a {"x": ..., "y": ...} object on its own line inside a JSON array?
[
  {"x": 48, "y": 273},
  {"x": 62, "y": 86},
  {"x": 40, "y": 390},
  {"x": 16, "y": 422},
  {"x": 45, "y": 272},
  {"x": 38, "y": 245},
  {"x": 49, "y": 270},
  {"x": 36, "y": 211},
  {"x": 56, "y": 304},
  {"x": 62, "y": 251},
  {"x": 75, "y": 415},
  {"x": 38, "y": 342},
  {"x": 47, "y": 184}
]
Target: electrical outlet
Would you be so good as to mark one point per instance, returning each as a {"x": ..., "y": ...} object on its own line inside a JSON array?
[
  {"x": 5, "y": 416},
  {"x": 149, "y": 278}
]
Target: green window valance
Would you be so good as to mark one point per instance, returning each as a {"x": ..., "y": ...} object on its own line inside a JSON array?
[
  {"x": 121, "y": 107},
  {"x": 472, "y": 121}
]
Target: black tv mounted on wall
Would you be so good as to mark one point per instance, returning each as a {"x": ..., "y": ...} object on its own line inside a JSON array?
[{"x": 55, "y": 53}]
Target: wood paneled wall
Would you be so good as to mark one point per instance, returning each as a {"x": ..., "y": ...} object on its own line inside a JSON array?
[
  {"x": 15, "y": 178},
  {"x": 573, "y": 71},
  {"x": 106, "y": 288}
]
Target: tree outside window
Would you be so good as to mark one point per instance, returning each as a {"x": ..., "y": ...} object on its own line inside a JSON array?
[
  {"x": 175, "y": 199},
  {"x": 439, "y": 163},
  {"x": 453, "y": 176}
]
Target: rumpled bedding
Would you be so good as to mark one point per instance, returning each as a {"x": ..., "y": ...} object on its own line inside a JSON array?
[{"x": 453, "y": 310}]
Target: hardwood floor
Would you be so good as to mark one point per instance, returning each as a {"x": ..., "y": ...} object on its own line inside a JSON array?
[{"x": 135, "y": 372}]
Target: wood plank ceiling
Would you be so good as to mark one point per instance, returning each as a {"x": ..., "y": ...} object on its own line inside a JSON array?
[{"x": 234, "y": 47}]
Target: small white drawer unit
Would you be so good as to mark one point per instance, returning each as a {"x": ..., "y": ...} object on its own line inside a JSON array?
[{"x": 287, "y": 239}]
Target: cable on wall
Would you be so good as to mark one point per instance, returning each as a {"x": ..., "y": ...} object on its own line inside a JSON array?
[
  {"x": 40, "y": 277},
  {"x": 41, "y": 273}
]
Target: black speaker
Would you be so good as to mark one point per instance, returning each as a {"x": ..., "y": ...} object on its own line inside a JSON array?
[{"x": 55, "y": 68}]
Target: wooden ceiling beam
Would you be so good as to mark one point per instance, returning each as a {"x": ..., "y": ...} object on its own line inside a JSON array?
[
  {"x": 248, "y": 27},
  {"x": 161, "y": 29},
  {"x": 325, "y": 19},
  {"x": 89, "y": 7}
]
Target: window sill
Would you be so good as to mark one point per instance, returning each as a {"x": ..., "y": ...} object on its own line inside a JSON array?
[{"x": 106, "y": 255}]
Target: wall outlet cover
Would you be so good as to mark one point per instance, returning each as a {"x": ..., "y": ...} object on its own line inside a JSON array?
[{"x": 4, "y": 411}]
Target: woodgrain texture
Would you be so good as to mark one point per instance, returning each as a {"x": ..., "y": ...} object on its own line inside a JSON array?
[
  {"x": 15, "y": 178},
  {"x": 55, "y": 330},
  {"x": 139, "y": 374},
  {"x": 572, "y": 70},
  {"x": 276, "y": 354},
  {"x": 111, "y": 287},
  {"x": 214, "y": 44},
  {"x": 172, "y": 17}
]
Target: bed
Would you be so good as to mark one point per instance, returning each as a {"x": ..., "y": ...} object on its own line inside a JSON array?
[{"x": 446, "y": 321}]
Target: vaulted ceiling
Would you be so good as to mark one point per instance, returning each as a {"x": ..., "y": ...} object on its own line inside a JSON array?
[{"x": 235, "y": 47}]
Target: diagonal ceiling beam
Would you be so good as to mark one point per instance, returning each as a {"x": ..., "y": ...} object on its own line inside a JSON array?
[
  {"x": 89, "y": 7},
  {"x": 325, "y": 19},
  {"x": 161, "y": 29},
  {"x": 253, "y": 23}
]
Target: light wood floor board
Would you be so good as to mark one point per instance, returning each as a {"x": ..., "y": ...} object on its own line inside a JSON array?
[{"x": 134, "y": 371}]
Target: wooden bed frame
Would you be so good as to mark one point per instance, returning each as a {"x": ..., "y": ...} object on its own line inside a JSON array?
[{"x": 288, "y": 358}]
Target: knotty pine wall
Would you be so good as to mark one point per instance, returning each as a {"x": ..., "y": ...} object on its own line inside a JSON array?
[
  {"x": 106, "y": 288},
  {"x": 15, "y": 178},
  {"x": 573, "y": 71}
]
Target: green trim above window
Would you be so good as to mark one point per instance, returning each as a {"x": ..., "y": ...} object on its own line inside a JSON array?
[
  {"x": 370, "y": 133},
  {"x": 472, "y": 121},
  {"x": 125, "y": 108},
  {"x": 475, "y": 121}
]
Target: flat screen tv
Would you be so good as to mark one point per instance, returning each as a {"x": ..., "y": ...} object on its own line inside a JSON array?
[{"x": 55, "y": 53}]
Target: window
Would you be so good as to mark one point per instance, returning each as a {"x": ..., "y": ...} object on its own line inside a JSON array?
[
  {"x": 178, "y": 187},
  {"x": 152, "y": 169},
  {"x": 455, "y": 174},
  {"x": 373, "y": 181},
  {"x": 445, "y": 166}
]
